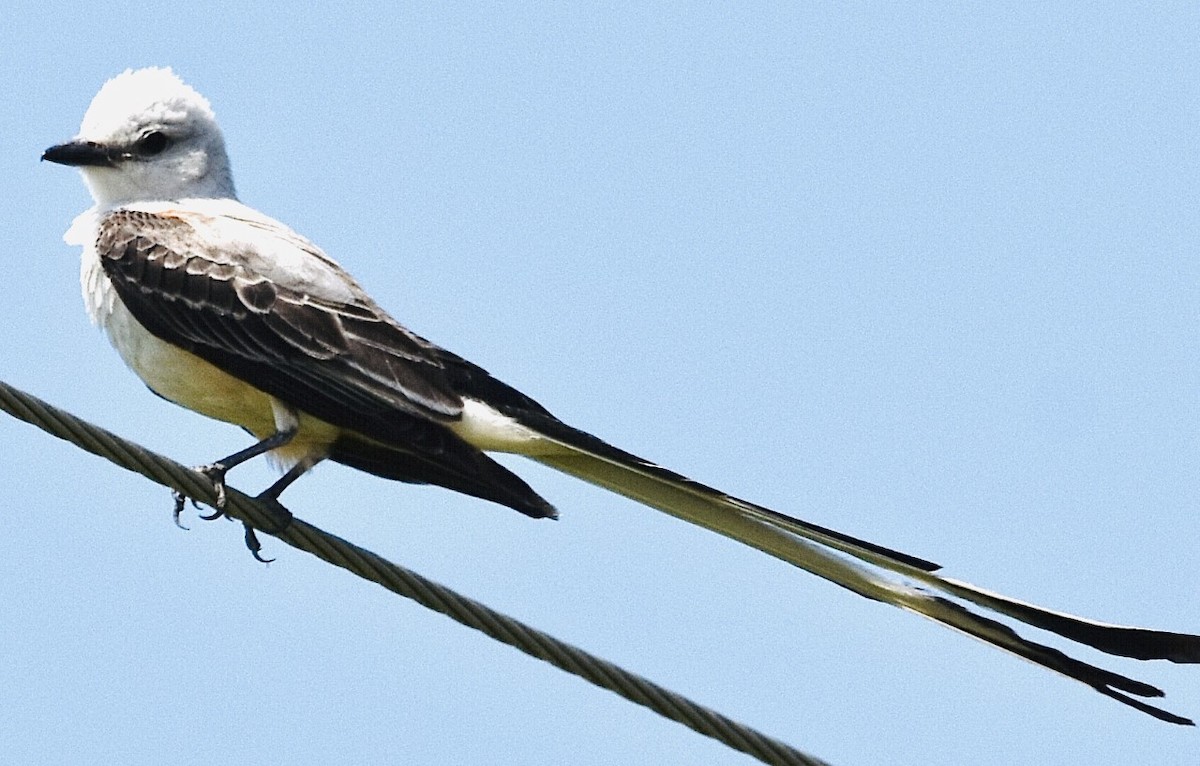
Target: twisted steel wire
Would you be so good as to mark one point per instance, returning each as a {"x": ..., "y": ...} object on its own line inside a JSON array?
[{"x": 404, "y": 582}]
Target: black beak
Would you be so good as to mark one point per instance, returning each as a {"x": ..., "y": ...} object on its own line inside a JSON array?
[{"x": 80, "y": 154}]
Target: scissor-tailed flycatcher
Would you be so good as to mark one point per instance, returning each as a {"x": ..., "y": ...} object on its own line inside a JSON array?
[{"x": 232, "y": 314}]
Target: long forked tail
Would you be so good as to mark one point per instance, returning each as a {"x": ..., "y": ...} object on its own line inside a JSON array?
[{"x": 816, "y": 550}]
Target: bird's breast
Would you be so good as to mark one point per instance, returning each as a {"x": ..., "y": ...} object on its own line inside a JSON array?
[{"x": 172, "y": 373}]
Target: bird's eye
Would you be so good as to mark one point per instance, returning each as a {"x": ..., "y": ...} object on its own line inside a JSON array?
[{"x": 152, "y": 144}]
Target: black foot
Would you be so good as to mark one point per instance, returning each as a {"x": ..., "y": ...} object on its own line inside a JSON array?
[
  {"x": 282, "y": 520},
  {"x": 283, "y": 517},
  {"x": 254, "y": 545}
]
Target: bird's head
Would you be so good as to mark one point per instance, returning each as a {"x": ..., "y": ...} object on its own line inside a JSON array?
[{"x": 148, "y": 136}]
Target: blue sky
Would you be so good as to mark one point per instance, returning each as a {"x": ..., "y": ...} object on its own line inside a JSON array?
[{"x": 925, "y": 274}]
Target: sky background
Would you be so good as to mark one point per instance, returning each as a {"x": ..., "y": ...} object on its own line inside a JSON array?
[{"x": 926, "y": 274}]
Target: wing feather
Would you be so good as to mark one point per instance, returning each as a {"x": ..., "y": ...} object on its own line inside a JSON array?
[{"x": 345, "y": 362}]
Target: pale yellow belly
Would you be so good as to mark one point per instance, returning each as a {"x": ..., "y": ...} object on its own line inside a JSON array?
[{"x": 191, "y": 382}]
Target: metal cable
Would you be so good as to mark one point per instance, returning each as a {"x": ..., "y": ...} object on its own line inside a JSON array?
[{"x": 404, "y": 582}]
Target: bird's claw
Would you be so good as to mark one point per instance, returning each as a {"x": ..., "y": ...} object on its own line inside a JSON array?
[
  {"x": 254, "y": 545},
  {"x": 180, "y": 500},
  {"x": 282, "y": 521},
  {"x": 216, "y": 474}
]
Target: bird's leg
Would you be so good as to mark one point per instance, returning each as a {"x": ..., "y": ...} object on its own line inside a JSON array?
[
  {"x": 271, "y": 494},
  {"x": 216, "y": 471},
  {"x": 270, "y": 497}
]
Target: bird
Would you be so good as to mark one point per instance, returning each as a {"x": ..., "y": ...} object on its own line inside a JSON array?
[{"x": 230, "y": 313}]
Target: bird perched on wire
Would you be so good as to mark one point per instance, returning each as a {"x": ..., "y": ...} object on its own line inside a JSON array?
[{"x": 230, "y": 313}]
